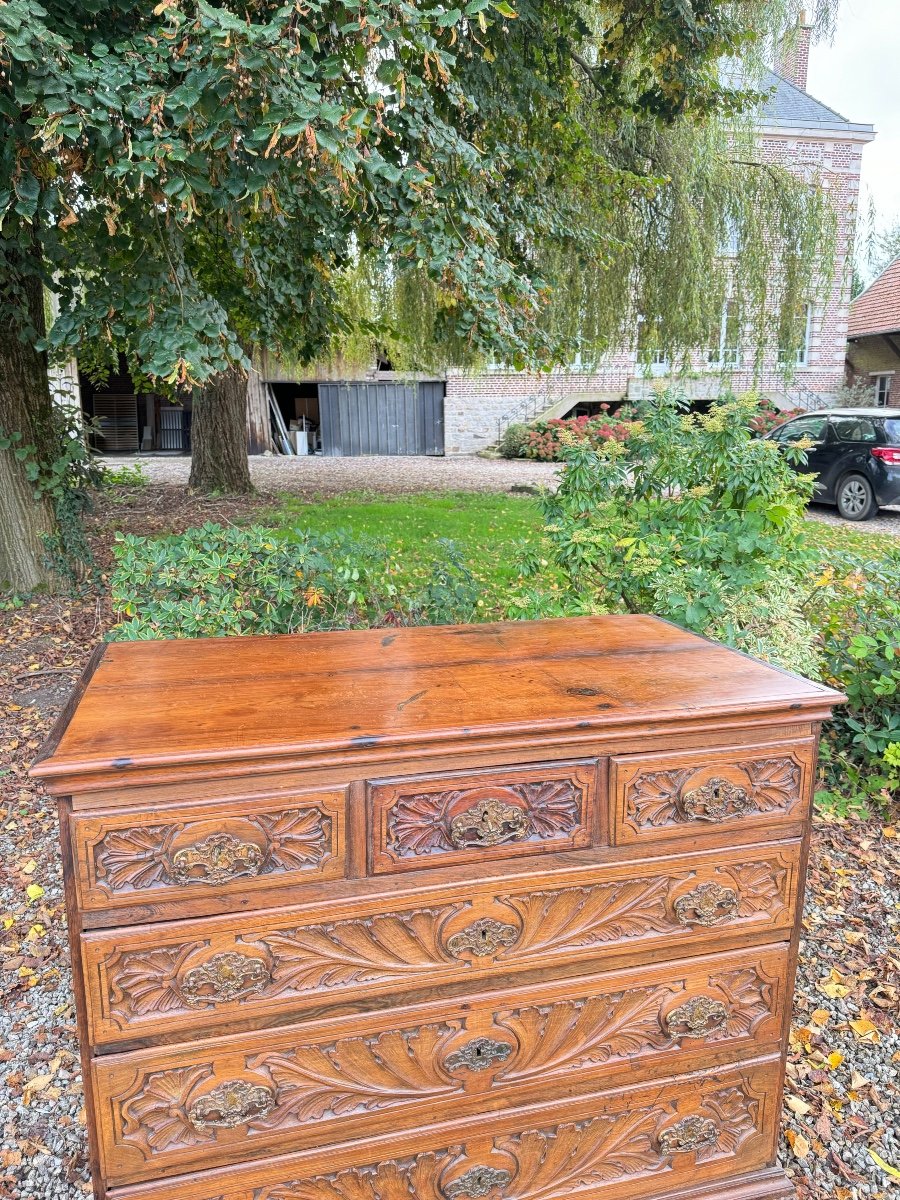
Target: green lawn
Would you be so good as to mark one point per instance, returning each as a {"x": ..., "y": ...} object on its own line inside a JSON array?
[{"x": 488, "y": 529}]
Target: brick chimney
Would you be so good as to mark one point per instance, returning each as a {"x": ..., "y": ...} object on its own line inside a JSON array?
[{"x": 793, "y": 54}]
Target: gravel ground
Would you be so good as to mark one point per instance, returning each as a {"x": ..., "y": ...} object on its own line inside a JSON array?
[
  {"x": 334, "y": 476},
  {"x": 842, "y": 1099}
]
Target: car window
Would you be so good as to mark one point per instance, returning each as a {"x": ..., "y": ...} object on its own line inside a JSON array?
[
  {"x": 804, "y": 427},
  {"x": 854, "y": 429},
  {"x": 892, "y": 429}
]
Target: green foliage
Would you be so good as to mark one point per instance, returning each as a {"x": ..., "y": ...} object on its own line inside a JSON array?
[
  {"x": 858, "y": 606},
  {"x": 695, "y": 519},
  {"x": 124, "y": 476},
  {"x": 512, "y": 443},
  {"x": 62, "y": 471}
]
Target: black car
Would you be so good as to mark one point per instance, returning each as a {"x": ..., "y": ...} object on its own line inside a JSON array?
[{"x": 855, "y": 454}]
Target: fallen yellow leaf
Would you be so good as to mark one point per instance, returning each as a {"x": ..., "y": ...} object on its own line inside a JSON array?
[
  {"x": 865, "y": 1030},
  {"x": 34, "y": 891},
  {"x": 885, "y": 1166},
  {"x": 35, "y": 1085},
  {"x": 821, "y": 1016},
  {"x": 798, "y": 1106},
  {"x": 799, "y": 1144},
  {"x": 835, "y": 1059}
]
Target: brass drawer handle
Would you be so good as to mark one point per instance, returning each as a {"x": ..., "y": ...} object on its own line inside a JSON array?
[
  {"x": 691, "y": 1134},
  {"x": 231, "y": 1104},
  {"x": 225, "y": 977},
  {"x": 490, "y": 822},
  {"x": 717, "y": 800},
  {"x": 480, "y": 1181},
  {"x": 478, "y": 1055},
  {"x": 482, "y": 938},
  {"x": 708, "y": 904},
  {"x": 218, "y": 859},
  {"x": 698, "y": 1016}
]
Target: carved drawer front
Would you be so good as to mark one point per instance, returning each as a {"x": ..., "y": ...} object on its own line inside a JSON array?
[
  {"x": 684, "y": 794},
  {"x": 194, "y": 851},
  {"x": 248, "y": 1095},
  {"x": 614, "y": 1145},
  {"x": 432, "y": 820},
  {"x": 187, "y": 975}
]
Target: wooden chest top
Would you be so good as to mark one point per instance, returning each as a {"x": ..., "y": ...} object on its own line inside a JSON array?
[{"x": 216, "y": 703}]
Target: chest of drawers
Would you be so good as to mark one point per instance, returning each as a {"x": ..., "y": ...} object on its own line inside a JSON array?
[{"x": 504, "y": 911}]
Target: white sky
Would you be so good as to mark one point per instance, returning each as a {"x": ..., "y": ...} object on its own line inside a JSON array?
[{"x": 859, "y": 76}]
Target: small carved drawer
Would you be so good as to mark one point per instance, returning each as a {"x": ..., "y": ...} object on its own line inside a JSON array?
[
  {"x": 683, "y": 794},
  {"x": 626, "y": 1144},
  {"x": 245, "y": 1096},
  {"x": 190, "y": 975},
  {"x": 198, "y": 850},
  {"x": 435, "y": 820}
]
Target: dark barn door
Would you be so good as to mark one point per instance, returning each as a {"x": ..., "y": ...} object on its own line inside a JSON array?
[{"x": 381, "y": 418}]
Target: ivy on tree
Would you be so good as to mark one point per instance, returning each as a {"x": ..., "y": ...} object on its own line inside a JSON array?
[{"x": 456, "y": 182}]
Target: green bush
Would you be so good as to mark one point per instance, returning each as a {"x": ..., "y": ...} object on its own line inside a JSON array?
[
  {"x": 215, "y": 582},
  {"x": 123, "y": 476},
  {"x": 859, "y": 617},
  {"x": 693, "y": 518},
  {"x": 512, "y": 443}
]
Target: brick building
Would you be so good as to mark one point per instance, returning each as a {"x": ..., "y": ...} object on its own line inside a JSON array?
[
  {"x": 873, "y": 337},
  {"x": 796, "y": 131}
]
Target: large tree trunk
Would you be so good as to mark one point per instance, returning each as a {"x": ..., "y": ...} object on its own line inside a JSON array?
[
  {"x": 24, "y": 409},
  {"x": 219, "y": 460}
]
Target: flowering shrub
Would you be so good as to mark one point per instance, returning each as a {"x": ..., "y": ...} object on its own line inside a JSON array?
[
  {"x": 546, "y": 440},
  {"x": 768, "y": 416}
]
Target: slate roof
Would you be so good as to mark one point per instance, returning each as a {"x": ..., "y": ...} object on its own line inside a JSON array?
[
  {"x": 877, "y": 309},
  {"x": 789, "y": 105}
]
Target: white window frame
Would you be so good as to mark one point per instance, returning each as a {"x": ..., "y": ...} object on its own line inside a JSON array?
[
  {"x": 659, "y": 363},
  {"x": 882, "y": 381},
  {"x": 803, "y": 354},
  {"x": 724, "y": 356}
]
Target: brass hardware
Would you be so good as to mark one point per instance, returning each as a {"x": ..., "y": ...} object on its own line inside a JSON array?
[
  {"x": 490, "y": 822},
  {"x": 482, "y": 938},
  {"x": 480, "y": 1181},
  {"x": 693, "y": 1133},
  {"x": 234, "y": 1103},
  {"x": 715, "y": 801},
  {"x": 218, "y": 859},
  {"x": 225, "y": 977},
  {"x": 478, "y": 1055},
  {"x": 698, "y": 1016},
  {"x": 708, "y": 904}
]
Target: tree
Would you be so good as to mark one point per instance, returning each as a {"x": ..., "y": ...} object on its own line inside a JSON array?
[{"x": 195, "y": 179}]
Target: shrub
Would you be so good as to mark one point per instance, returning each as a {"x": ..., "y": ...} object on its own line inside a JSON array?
[
  {"x": 548, "y": 440},
  {"x": 215, "y": 582},
  {"x": 705, "y": 527},
  {"x": 512, "y": 443},
  {"x": 767, "y": 416},
  {"x": 124, "y": 476},
  {"x": 859, "y": 618}
]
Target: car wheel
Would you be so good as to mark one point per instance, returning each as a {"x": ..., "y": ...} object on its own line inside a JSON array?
[{"x": 855, "y": 498}]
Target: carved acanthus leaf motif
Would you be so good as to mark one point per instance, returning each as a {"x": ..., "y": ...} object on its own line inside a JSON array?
[
  {"x": 156, "y": 1118},
  {"x": 590, "y": 916},
  {"x": 736, "y": 1116},
  {"x": 439, "y": 822},
  {"x": 135, "y": 859},
  {"x": 564, "y": 1160},
  {"x": 146, "y": 981},
  {"x": 558, "y": 1038},
  {"x": 652, "y": 797},
  {"x": 775, "y": 782},
  {"x": 343, "y": 953},
  {"x": 760, "y": 886},
  {"x": 404, "y": 1179},
  {"x": 357, "y": 1075},
  {"x": 749, "y": 998}
]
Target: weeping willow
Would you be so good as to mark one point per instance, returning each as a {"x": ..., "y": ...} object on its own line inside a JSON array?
[{"x": 625, "y": 187}]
